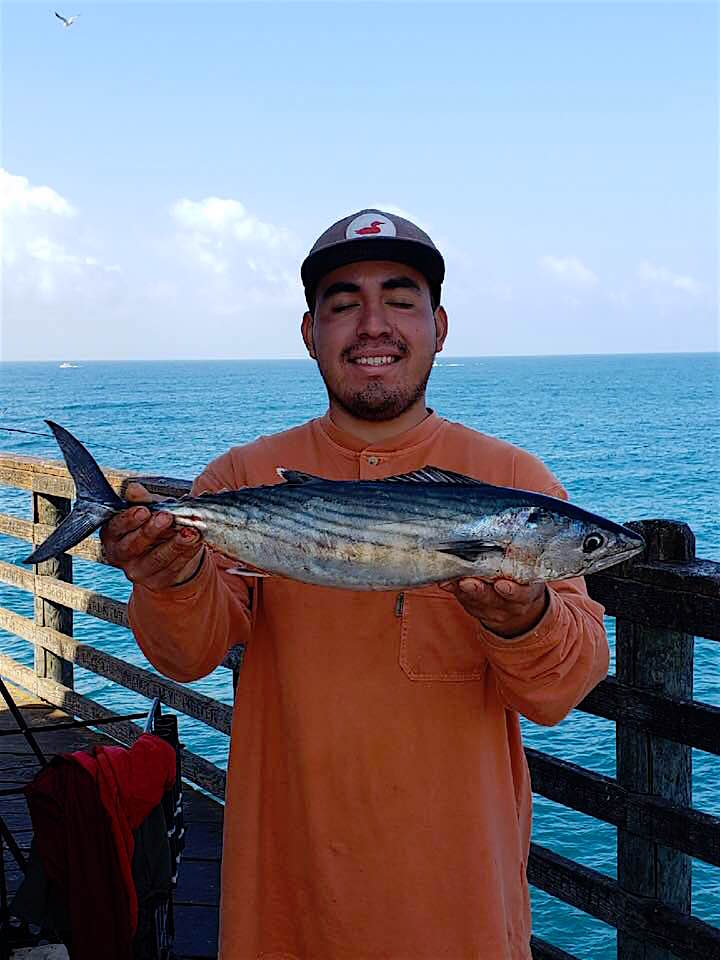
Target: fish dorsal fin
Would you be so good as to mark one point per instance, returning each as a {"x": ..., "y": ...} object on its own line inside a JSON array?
[
  {"x": 296, "y": 477},
  {"x": 431, "y": 474},
  {"x": 426, "y": 474}
]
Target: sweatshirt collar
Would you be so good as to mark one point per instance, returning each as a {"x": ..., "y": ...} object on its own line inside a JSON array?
[{"x": 395, "y": 444}]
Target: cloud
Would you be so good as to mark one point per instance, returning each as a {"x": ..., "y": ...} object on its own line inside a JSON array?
[
  {"x": 35, "y": 236},
  {"x": 570, "y": 270},
  {"x": 652, "y": 275},
  {"x": 18, "y": 197},
  {"x": 54, "y": 284},
  {"x": 250, "y": 260},
  {"x": 229, "y": 219}
]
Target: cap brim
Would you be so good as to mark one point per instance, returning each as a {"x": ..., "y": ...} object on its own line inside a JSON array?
[{"x": 413, "y": 253}]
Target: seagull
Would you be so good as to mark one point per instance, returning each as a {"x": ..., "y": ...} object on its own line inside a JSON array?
[{"x": 67, "y": 21}]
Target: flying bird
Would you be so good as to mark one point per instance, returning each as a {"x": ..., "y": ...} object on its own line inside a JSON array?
[{"x": 67, "y": 21}]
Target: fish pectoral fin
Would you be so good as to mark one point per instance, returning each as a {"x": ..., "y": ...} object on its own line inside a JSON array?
[
  {"x": 296, "y": 477},
  {"x": 242, "y": 572},
  {"x": 471, "y": 550}
]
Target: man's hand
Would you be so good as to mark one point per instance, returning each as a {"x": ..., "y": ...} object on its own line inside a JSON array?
[
  {"x": 147, "y": 547},
  {"x": 504, "y": 607}
]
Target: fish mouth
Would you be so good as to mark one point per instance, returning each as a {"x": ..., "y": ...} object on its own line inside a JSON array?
[{"x": 603, "y": 564}]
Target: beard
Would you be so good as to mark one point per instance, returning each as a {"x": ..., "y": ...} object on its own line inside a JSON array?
[{"x": 377, "y": 401}]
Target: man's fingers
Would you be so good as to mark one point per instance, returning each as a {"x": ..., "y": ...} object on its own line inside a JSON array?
[
  {"x": 131, "y": 519},
  {"x": 136, "y": 491},
  {"x": 124, "y": 522},
  {"x": 138, "y": 539},
  {"x": 471, "y": 587},
  {"x": 167, "y": 558},
  {"x": 506, "y": 588}
]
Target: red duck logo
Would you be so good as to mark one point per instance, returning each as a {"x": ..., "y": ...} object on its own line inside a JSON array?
[
  {"x": 370, "y": 224},
  {"x": 374, "y": 227}
]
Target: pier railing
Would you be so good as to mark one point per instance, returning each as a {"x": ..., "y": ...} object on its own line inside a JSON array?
[{"x": 661, "y": 601}]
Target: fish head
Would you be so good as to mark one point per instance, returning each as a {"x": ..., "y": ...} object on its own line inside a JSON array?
[{"x": 571, "y": 542}]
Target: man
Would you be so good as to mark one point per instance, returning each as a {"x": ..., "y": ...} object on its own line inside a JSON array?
[{"x": 378, "y": 798}]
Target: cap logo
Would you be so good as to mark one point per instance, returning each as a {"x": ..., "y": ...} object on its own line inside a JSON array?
[{"x": 370, "y": 225}]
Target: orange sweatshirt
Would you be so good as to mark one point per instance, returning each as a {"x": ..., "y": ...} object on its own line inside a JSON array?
[{"x": 378, "y": 797}]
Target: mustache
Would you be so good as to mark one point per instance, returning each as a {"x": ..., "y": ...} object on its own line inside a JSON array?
[{"x": 397, "y": 346}]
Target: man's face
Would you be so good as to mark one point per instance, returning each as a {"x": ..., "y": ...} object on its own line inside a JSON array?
[{"x": 374, "y": 335}]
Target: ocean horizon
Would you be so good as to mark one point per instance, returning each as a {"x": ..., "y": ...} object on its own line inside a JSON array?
[
  {"x": 443, "y": 356},
  {"x": 631, "y": 436}
]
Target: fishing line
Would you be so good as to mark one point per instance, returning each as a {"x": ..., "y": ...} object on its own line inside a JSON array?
[{"x": 48, "y": 436}]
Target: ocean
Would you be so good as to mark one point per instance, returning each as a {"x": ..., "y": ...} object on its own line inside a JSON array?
[{"x": 631, "y": 437}]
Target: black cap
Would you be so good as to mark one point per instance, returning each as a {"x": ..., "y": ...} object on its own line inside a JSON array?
[{"x": 372, "y": 235}]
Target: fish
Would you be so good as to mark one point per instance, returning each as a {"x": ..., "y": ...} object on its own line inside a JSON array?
[{"x": 419, "y": 528}]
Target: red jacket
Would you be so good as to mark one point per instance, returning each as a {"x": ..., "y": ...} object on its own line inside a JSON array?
[{"x": 84, "y": 808}]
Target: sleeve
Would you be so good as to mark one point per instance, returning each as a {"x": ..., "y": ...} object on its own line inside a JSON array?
[
  {"x": 546, "y": 672},
  {"x": 185, "y": 631}
]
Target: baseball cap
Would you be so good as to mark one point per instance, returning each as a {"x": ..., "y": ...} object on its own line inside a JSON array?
[{"x": 372, "y": 235}]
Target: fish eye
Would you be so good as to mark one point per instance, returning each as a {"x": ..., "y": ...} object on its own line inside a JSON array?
[{"x": 592, "y": 542}]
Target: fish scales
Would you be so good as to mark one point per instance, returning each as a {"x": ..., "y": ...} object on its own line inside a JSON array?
[
  {"x": 337, "y": 514},
  {"x": 419, "y": 528}
]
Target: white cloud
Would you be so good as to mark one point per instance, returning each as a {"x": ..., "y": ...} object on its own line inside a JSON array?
[
  {"x": 246, "y": 260},
  {"x": 36, "y": 221},
  {"x": 569, "y": 270},
  {"x": 224, "y": 217},
  {"x": 54, "y": 285},
  {"x": 47, "y": 250},
  {"x": 652, "y": 275},
  {"x": 18, "y": 197}
]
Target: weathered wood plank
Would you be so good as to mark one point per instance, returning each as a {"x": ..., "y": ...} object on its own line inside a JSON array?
[
  {"x": 199, "y": 876},
  {"x": 205, "y": 774},
  {"x": 196, "y": 932},
  {"x": 83, "y": 600},
  {"x": 184, "y": 700},
  {"x": 16, "y": 576},
  {"x": 16, "y": 527},
  {"x": 203, "y": 839},
  {"x": 686, "y": 937},
  {"x": 196, "y": 769},
  {"x": 52, "y": 477},
  {"x": 659, "y": 660},
  {"x": 678, "y": 826},
  {"x": 660, "y": 604},
  {"x": 666, "y": 586},
  {"x": 77, "y": 598},
  {"x": 684, "y": 721},
  {"x": 48, "y": 476},
  {"x": 52, "y": 511},
  {"x": 26, "y": 530},
  {"x": 541, "y": 950}
]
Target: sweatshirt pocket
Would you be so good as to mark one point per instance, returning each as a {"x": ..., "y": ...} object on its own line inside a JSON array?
[{"x": 438, "y": 639}]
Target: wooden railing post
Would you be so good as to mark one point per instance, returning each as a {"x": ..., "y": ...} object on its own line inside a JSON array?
[
  {"x": 660, "y": 661},
  {"x": 52, "y": 510}
]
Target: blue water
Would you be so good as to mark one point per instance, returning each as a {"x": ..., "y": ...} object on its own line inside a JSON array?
[{"x": 630, "y": 437}]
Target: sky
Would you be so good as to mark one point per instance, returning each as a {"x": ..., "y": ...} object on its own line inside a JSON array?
[{"x": 165, "y": 168}]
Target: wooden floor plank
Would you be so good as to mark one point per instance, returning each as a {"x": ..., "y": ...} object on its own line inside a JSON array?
[
  {"x": 196, "y": 933},
  {"x": 198, "y": 891}
]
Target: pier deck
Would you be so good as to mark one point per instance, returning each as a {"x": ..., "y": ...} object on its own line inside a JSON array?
[{"x": 197, "y": 894}]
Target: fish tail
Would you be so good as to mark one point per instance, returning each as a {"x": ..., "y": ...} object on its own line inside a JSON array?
[{"x": 96, "y": 500}]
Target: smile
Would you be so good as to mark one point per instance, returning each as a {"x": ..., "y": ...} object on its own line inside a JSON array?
[{"x": 375, "y": 361}]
